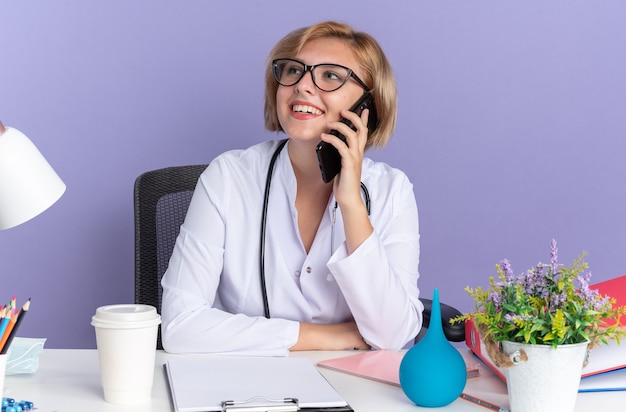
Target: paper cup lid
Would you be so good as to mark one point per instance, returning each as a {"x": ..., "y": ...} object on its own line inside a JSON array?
[{"x": 127, "y": 315}]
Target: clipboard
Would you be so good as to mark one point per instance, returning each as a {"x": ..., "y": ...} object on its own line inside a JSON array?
[{"x": 250, "y": 384}]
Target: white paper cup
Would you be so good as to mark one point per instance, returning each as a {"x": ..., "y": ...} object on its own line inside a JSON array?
[
  {"x": 126, "y": 336},
  {"x": 3, "y": 369}
]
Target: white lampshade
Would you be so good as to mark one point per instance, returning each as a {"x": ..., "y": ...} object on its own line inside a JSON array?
[{"x": 28, "y": 184}]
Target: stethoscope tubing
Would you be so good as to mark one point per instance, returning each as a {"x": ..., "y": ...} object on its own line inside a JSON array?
[{"x": 266, "y": 196}]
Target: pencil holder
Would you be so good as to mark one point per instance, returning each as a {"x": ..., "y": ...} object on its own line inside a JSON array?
[
  {"x": 433, "y": 372},
  {"x": 3, "y": 367}
]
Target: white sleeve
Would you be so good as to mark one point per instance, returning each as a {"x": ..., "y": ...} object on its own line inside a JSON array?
[
  {"x": 191, "y": 323},
  {"x": 379, "y": 279}
]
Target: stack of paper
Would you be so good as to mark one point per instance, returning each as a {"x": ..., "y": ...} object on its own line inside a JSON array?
[{"x": 203, "y": 383}]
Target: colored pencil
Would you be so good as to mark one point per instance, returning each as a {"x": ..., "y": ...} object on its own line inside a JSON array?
[
  {"x": 6, "y": 317},
  {"x": 8, "y": 330}
]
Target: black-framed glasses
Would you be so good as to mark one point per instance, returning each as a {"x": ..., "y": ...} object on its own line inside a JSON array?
[{"x": 326, "y": 76}]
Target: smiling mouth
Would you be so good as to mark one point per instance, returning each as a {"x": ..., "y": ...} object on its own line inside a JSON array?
[{"x": 301, "y": 108}]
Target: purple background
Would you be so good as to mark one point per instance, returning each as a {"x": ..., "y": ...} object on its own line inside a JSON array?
[{"x": 512, "y": 126}]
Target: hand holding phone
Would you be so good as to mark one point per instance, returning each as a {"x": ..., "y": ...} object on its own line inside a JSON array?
[{"x": 328, "y": 157}]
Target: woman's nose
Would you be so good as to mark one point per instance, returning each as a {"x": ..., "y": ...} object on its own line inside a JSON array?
[{"x": 306, "y": 83}]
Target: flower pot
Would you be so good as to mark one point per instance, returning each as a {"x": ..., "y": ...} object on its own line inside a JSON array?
[{"x": 548, "y": 380}]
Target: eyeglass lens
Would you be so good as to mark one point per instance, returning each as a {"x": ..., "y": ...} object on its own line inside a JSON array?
[{"x": 327, "y": 77}]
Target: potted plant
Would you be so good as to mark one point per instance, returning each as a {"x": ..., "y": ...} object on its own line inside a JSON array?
[{"x": 539, "y": 325}]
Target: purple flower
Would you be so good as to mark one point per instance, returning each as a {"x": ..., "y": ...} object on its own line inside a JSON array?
[
  {"x": 554, "y": 259},
  {"x": 512, "y": 317},
  {"x": 506, "y": 269},
  {"x": 556, "y": 300},
  {"x": 534, "y": 281},
  {"x": 603, "y": 304},
  {"x": 494, "y": 297}
]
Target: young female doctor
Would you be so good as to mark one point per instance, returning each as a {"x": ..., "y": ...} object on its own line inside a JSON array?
[{"x": 270, "y": 258}]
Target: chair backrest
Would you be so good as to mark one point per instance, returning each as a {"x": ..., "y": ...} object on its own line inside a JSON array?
[{"x": 161, "y": 201}]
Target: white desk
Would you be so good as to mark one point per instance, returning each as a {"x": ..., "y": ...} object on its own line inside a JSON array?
[{"x": 68, "y": 380}]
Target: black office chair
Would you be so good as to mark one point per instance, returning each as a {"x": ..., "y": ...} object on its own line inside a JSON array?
[{"x": 161, "y": 200}]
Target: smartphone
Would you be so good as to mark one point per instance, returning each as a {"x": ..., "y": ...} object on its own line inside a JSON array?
[{"x": 328, "y": 157}]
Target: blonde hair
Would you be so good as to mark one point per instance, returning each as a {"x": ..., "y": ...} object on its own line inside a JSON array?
[{"x": 374, "y": 65}]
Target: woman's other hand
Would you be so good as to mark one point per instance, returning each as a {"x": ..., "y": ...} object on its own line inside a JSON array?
[{"x": 337, "y": 336}]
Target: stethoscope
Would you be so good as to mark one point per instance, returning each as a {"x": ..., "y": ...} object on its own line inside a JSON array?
[{"x": 268, "y": 183}]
